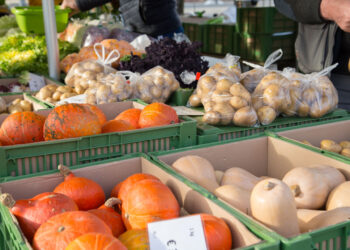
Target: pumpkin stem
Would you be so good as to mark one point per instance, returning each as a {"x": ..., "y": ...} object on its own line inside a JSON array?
[
  {"x": 61, "y": 229},
  {"x": 112, "y": 202},
  {"x": 64, "y": 170},
  {"x": 7, "y": 200},
  {"x": 269, "y": 185},
  {"x": 295, "y": 190}
]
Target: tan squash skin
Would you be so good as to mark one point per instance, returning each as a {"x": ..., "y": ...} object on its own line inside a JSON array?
[
  {"x": 329, "y": 218},
  {"x": 309, "y": 187},
  {"x": 198, "y": 170},
  {"x": 272, "y": 203},
  {"x": 219, "y": 174},
  {"x": 334, "y": 176},
  {"x": 339, "y": 197},
  {"x": 240, "y": 177},
  {"x": 235, "y": 196},
  {"x": 305, "y": 215}
]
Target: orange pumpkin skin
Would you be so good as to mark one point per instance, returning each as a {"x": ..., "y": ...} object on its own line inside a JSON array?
[
  {"x": 116, "y": 126},
  {"x": 86, "y": 193},
  {"x": 111, "y": 217},
  {"x": 101, "y": 116},
  {"x": 22, "y": 127},
  {"x": 115, "y": 190},
  {"x": 33, "y": 212},
  {"x": 148, "y": 201},
  {"x": 57, "y": 232},
  {"x": 135, "y": 239},
  {"x": 128, "y": 183},
  {"x": 130, "y": 115},
  {"x": 157, "y": 114},
  {"x": 217, "y": 233},
  {"x": 96, "y": 241},
  {"x": 70, "y": 121}
]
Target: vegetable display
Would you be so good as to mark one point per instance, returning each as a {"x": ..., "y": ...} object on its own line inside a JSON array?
[{"x": 342, "y": 147}]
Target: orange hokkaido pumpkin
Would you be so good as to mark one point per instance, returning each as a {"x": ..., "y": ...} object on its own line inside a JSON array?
[
  {"x": 71, "y": 120},
  {"x": 115, "y": 190},
  {"x": 130, "y": 181},
  {"x": 33, "y": 212},
  {"x": 157, "y": 114},
  {"x": 130, "y": 115},
  {"x": 110, "y": 216},
  {"x": 57, "y": 232},
  {"x": 135, "y": 239},
  {"x": 96, "y": 241},
  {"x": 101, "y": 116},
  {"x": 86, "y": 193},
  {"x": 22, "y": 127},
  {"x": 116, "y": 126},
  {"x": 147, "y": 201},
  {"x": 217, "y": 233}
]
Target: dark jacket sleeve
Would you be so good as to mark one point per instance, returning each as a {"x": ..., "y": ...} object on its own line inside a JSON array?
[
  {"x": 84, "y": 5},
  {"x": 307, "y": 12}
]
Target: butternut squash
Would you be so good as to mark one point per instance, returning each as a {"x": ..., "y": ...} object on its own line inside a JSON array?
[
  {"x": 272, "y": 204},
  {"x": 219, "y": 174},
  {"x": 197, "y": 169},
  {"x": 305, "y": 215},
  {"x": 333, "y": 176},
  {"x": 339, "y": 197},
  {"x": 328, "y": 218},
  {"x": 235, "y": 196},
  {"x": 239, "y": 177},
  {"x": 309, "y": 186}
]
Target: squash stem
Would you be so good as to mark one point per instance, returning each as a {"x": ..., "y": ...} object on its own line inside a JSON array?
[
  {"x": 64, "y": 170},
  {"x": 7, "y": 200}
]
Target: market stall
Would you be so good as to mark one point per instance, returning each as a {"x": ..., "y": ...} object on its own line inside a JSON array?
[{"x": 111, "y": 139}]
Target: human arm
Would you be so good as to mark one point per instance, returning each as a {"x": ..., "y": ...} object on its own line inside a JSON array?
[{"x": 83, "y": 5}]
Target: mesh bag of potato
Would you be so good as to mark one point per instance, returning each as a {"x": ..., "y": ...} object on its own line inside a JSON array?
[
  {"x": 53, "y": 93},
  {"x": 251, "y": 78},
  {"x": 155, "y": 85},
  {"x": 207, "y": 83}
]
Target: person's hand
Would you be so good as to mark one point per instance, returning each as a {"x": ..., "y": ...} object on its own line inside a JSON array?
[
  {"x": 69, "y": 4},
  {"x": 337, "y": 11}
]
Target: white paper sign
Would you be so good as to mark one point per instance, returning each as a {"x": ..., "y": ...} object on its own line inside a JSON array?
[
  {"x": 177, "y": 234},
  {"x": 73, "y": 99},
  {"x": 36, "y": 82},
  {"x": 182, "y": 110}
]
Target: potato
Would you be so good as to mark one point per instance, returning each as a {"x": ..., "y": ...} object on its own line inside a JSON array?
[
  {"x": 194, "y": 100},
  {"x": 25, "y": 105},
  {"x": 346, "y": 152},
  {"x": 57, "y": 96},
  {"x": 245, "y": 117},
  {"x": 319, "y": 109},
  {"x": 166, "y": 93},
  {"x": 224, "y": 85},
  {"x": 306, "y": 142},
  {"x": 226, "y": 112},
  {"x": 64, "y": 96},
  {"x": 273, "y": 96},
  {"x": 156, "y": 92},
  {"x": 159, "y": 71},
  {"x": 208, "y": 106},
  {"x": 238, "y": 102},
  {"x": 44, "y": 93},
  {"x": 303, "y": 109},
  {"x": 330, "y": 146},
  {"x": 211, "y": 117},
  {"x": 221, "y": 96},
  {"x": 310, "y": 95},
  {"x": 266, "y": 115},
  {"x": 175, "y": 85},
  {"x": 345, "y": 144},
  {"x": 257, "y": 102},
  {"x": 102, "y": 92},
  {"x": 50, "y": 100},
  {"x": 239, "y": 90},
  {"x": 15, "y": 109},
  {"x": 16, "y": 101},
  {"x": 91, "y": 99},
  {"x": 206, "y": 83},
  {"x": 51, "y": 87},
  {"x": 159, "y": 81},
  {"x": 64, "y": 89},
  {"x": 79, "y": 89}
]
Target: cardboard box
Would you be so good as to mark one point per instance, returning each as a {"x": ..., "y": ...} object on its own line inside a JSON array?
[
  {"x": 37, "y": 105},
  {"x": 264, "y": 156},
  {"x": 109, "y": 173}
]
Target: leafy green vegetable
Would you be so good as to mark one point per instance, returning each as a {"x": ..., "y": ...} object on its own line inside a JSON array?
[
  {"x": 22, "y": 52},
  {"x": 6, "y": 23}
]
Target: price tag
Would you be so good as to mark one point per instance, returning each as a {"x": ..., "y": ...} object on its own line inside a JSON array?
[
  {"x": 182, "y": 110},
  {"x": 36, "y": 82},
  {"x": 177, "y": 234},
  {"x": 74, "y": 99}
]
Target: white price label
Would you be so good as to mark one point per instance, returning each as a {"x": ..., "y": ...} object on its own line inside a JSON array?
[
  {"x": 182, "y": 110},
  {"x": 177, "y": 234},
  {"x": 75, "y": 99},
  {"x": 36, "y": 82}
]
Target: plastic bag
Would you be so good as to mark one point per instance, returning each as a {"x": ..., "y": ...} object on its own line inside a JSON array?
[
  {"x": 94, "y": 35},
  {"x": 141, "y": 42},
  {"x": 155, "y": 85},
  {"x": 88, "y": 73},
  {"x": 251, "y": 78},
  {"x": 207, "y": 83},
  {"x": 311, "y": 95}
]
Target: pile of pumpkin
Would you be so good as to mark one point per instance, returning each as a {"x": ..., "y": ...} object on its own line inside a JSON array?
[
  {"x": 307, "y": 198},
  {"x": 76, "y": 216},
  {"x": 76, "y": 120}
]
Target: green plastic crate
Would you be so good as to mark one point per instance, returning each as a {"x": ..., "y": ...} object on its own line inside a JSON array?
[
  {"x": 43, "y": 156},
  {"x": 208, "y": 133},
  {"x": 263, "y": 20},
  {"x": 180, "y": 97},
  {"x": 194, "y": 31},
  {"x": 13, "y": 239},
  {"x": 218, "y": 39},
  {"x": 257, "y": 47},
  {"x": 331, "y": 237}
]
